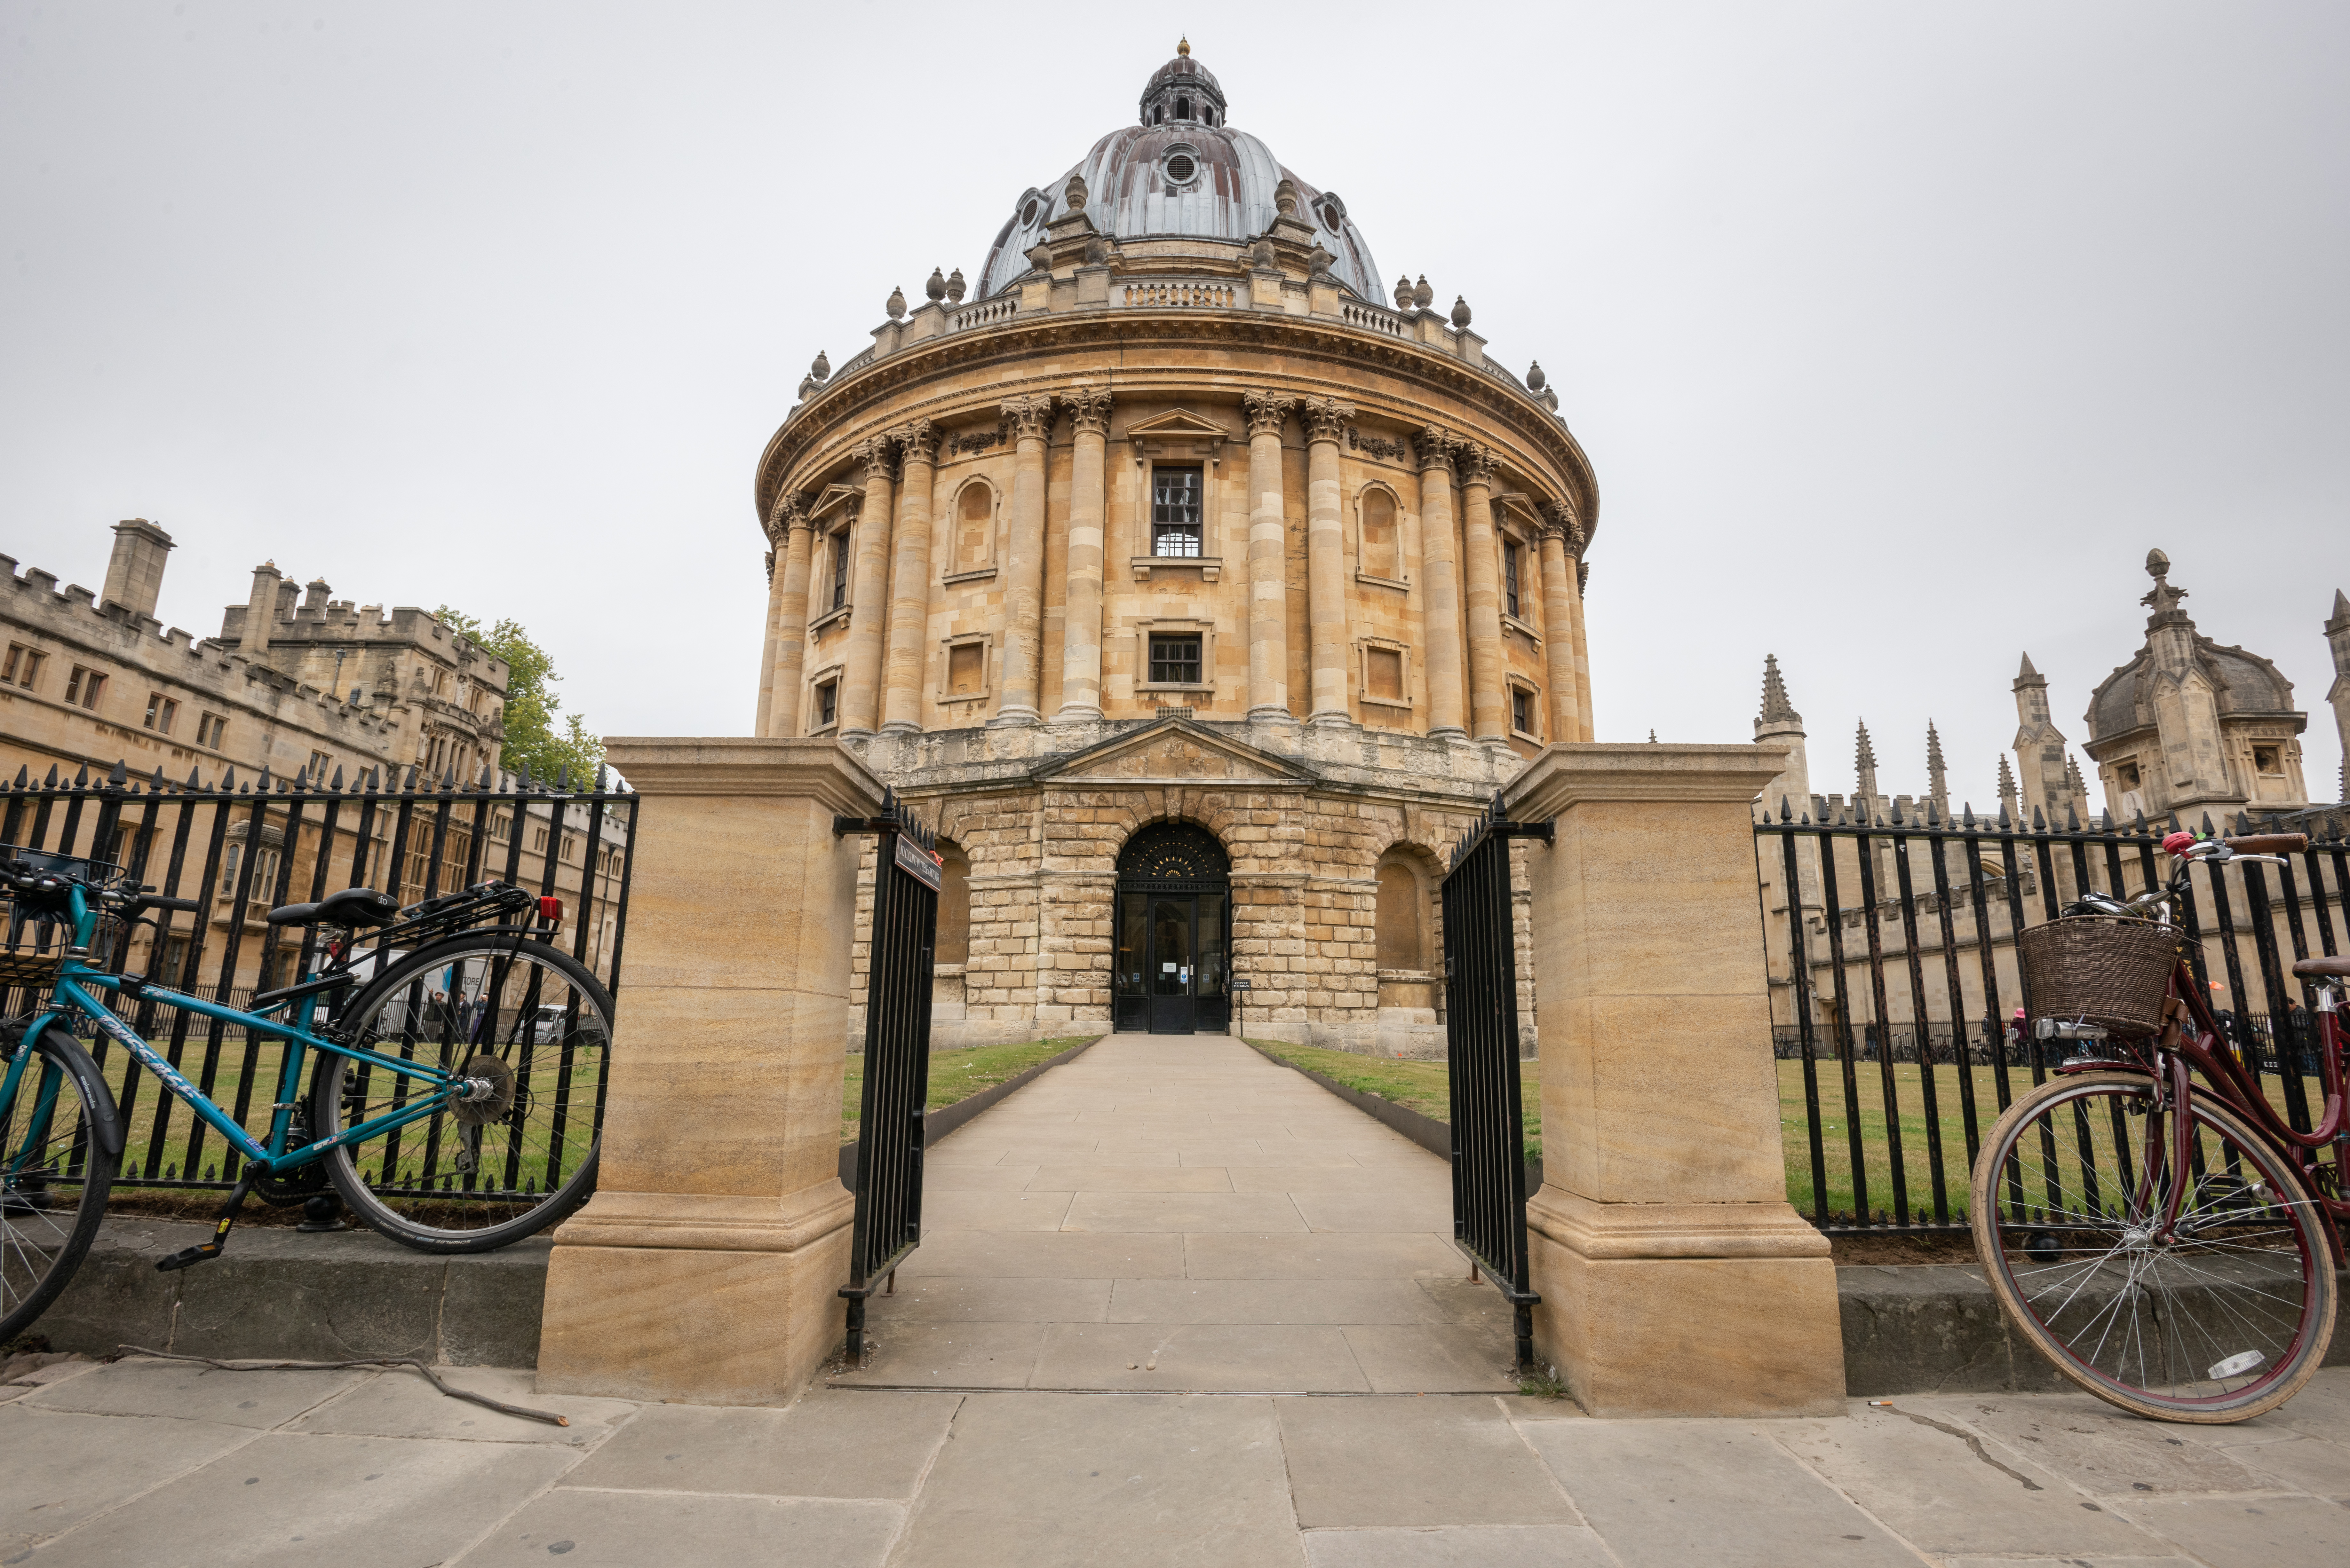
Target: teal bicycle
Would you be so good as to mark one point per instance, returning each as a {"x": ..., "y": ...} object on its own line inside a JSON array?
[{"x": 455, "y": 1068}]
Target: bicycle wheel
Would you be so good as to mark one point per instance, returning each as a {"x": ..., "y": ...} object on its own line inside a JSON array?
[
  {"x": 528, "y": 1024},
  {"x": 2224, "y": 1322},
  {"x": 54, "y": 1175}
]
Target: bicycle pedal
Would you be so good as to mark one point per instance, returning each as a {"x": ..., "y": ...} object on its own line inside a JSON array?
[{"x": 187, "y": 1258}]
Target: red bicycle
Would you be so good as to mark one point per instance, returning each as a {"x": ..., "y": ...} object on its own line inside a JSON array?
[{"x": 2147, "y": 1217}]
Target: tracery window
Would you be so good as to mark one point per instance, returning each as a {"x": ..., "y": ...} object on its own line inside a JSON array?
[{"x": 1175, "y": 497}]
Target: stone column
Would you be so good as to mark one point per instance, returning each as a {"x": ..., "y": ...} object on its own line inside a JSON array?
[
  {"x": 1081, "y": 624},
  {"x": 1268, "y": 569},
  {"x": 1676, "y": 1280},
  {"x": 706, "y": 1268},
  {"x": 1441, "y": 656},
  {"x": 868, "y": 592},
  {"x": 1558, "y": 625},
  {"x": 775, "y": 624},
  {"x": 1489, "y": 695},
  {"x": 1574, "y": 540},
  {"x": 1024, "y": 580},
  {"x": 1325, "y": 560},
  {"x": 909, "y": 580},
  {"x": 791, "y": 619}
]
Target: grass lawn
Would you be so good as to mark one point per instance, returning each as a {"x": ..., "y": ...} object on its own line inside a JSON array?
[
  {"x": 956, "y": 1074},
  {"x": 1423, "y": 1086}
]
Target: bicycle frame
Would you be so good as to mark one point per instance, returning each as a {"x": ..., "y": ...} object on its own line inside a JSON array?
[{"x": 77, "y": 977}]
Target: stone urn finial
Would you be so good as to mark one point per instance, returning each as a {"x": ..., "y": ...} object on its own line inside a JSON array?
[
  {"x": 937, "y": 286},
  {"x": 1261, "y": 252},
  {"x": 1421, "y": 295},
  {"x": 1284, "y": 198},
  {"x": 956, "y": 287},
  {"x": 1317, "y": 261},
  {"x": 1403, "y": 293},
  {"x": 2158, "y": 565},
  {"x": 1459, "y": 313},
  {"x": 1073, "y": 195},
  {"x": 1041, "y": 257},
  {"x": 897, "y": 303},
  {"x": 822, "y": 368},
  {"x": 1535, "y": 377}
]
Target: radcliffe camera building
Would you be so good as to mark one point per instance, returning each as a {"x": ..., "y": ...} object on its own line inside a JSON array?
[{"x": 1201, "y": 588}]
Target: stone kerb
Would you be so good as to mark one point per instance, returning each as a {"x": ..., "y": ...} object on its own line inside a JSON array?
[
  {"x": 1675, "y": 1277},
  {"x": 705, "y": 1267}
]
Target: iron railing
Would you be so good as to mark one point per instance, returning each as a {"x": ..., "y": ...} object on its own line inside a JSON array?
[
  {"x": 191, "y": 839},
  {"x": 888, "y": 1220},
  {"x": 1881, "y": 932},
  {"x": 1480, "y": 1042}
]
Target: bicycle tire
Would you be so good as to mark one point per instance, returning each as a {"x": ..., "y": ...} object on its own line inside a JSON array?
[
  {"x": 563, "y": 1077},
  {"x": 31, "y": 1171},
  {"x": 2250, "y": 1274}
]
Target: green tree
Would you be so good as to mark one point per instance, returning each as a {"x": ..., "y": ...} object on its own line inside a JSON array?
[{"x": 539, "y": 734}]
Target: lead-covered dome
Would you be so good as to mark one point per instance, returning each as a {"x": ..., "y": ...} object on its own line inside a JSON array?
[{"x": 1181, "y": 173}]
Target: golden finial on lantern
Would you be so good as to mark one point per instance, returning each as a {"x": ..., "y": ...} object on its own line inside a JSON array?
[{"x": 1183, "y": 45}]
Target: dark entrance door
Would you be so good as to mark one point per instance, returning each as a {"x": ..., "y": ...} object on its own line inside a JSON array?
[{"x": 1174, "y": 905}]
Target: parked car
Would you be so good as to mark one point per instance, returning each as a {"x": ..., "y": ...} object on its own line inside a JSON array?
[{"x": 546, "y": 1028}]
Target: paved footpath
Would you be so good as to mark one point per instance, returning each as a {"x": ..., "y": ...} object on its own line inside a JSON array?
[{"x": 1083, "y": 1459}]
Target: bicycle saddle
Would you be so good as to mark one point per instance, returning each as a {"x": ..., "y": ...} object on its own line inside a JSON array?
[
  {"x": 351, "y": 907},
  {"x": 2322, "y": 968}
]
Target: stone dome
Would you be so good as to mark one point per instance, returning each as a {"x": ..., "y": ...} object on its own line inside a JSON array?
[{"x": 1181, "y": 173}]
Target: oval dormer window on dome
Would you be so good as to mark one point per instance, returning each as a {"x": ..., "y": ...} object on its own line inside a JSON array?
[
  {"x": 1028, "y": 212},
  {"x": 1183, "y": 165}
]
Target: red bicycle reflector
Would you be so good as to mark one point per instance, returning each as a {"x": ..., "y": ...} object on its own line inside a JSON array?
[
  {"x": 2178, "y": 843},
  {"x": 550, "y": 908}
]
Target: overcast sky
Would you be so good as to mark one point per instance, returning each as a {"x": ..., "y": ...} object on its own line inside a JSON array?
[{"x": 1897, "y": 335}]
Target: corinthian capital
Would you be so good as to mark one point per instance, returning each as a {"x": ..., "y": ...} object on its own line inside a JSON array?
[
  {"x": 880, "y": 457},
  {"x": 1558, "y": 520},
  {"x": 780, "y": 518},
  {"x": 1325, "y": 417},
  {"x": 1435, "y": 447},
  {"x": 1088, "y": 409},
  {"x": 1476, "y": 463},
  {"x": 1030, "y": 418},
  {"x": 1582, "y": 574},
  {"x": 1265, "y": 413},
  {"x": 918, "y": 441}
]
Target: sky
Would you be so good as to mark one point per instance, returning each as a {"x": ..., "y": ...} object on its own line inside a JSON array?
[{"x": 1895, "y": 335}]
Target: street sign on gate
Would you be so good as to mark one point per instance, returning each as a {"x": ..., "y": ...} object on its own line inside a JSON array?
[{"x": 917, "y": 862}]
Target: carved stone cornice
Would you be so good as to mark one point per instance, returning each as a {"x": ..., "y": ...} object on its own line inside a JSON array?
[
  {"x": 1325, "y": 417},
  {"x": 918, "y": 441},
  {"x": 1088, "y": 409},
  {"x": 1582, "y": 574},
  {"x": 1475, "y": 462},
  {"x": 1435, "y": 445},
  {"x": 1030, "y": 418},
  {"x": 879, "y": 454},
  {"x": 1267, "y": 413}
]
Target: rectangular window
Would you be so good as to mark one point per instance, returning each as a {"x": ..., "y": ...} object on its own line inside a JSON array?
[
  {"x": 2268, "y": 758},
  {"x": 209, "y": 729},
  {"x": 319, "y": 761},
  {"x": 1174, "y": 660},
  {"x": 839, "y": 569},
  {"x": 966, "y": 669},
  {"x": 1383, "y": 674},
  {"x": 1522, "y": 710},
  {"x": 828, "y": 704},
  {"x": 23, "y": 666},
  {"x": 1175, "y": 512},
  {"x": 500, "y": 826},
  {"x": 2125, "y": 775},
  {"x": 83, "y": 687},
  {"x": 538, "y": 841},
  {"x": 1509, "y": 579},
  {"x": 160, "y": 712}
]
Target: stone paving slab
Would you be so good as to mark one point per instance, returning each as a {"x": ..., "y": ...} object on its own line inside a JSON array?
[{"x": 1036, "y": 1480}]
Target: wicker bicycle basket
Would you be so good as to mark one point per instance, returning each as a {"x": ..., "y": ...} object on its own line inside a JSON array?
[
  {"x": 22, "y": 967},
  {"x": 2098, "y": 969}
]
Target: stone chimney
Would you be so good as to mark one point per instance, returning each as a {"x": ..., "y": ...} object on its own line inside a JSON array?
[
  {"x": 261, "y": 610},
  {"x": 134, "y": 575}
]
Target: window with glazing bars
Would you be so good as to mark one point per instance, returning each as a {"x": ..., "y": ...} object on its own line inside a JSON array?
[
  {"x": 1509, "y": 577},
  {"x": 840, "y": 568},
  {"x": 1175, "y": 512},
  {"x": 1174, "y": 660}
]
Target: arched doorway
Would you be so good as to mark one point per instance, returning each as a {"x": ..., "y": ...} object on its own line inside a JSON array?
[{"x": 1174, "y": 925}]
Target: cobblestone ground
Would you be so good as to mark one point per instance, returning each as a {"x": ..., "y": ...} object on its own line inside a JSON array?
[{"x": 1174, "y": 1305}]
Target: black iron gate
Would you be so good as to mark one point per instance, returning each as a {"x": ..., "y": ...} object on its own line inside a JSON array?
[
  {"x": 1481, "y": 1043},
  {"x": 896, "y": 1053}
]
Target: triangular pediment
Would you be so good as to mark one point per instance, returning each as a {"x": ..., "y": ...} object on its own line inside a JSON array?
[
  {"x": 834, "y": 495},
  {"x": 1174, "y": 751},
  {"x": 1176, "y": 425}
]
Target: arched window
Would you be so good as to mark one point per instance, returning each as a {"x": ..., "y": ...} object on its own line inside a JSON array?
[
  {"x": 1182, "y": 108},
  {"x": 1402, "y": 913},
  {"x": 955, "y": 904},
  {"x": 1382, "y": 545},
  {"x": 974, "y": 526}
]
